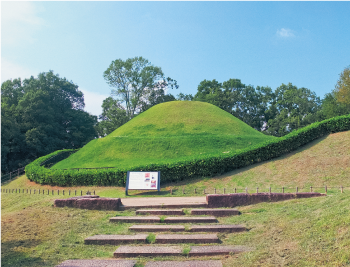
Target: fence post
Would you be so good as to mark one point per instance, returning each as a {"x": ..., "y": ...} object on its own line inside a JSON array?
[
  {"x": 257, "y": 190},
  {"x": 171, "y": 191},
  {"x": 183, "y": 190},
  {"x": 310, "y": 188},
  {"x": 81, "y": 192},
  {"x": 69, "y": 192},
  {"x": 214, "y": 190},
  {"x": 235, "y": 190},
  {"x": 16, "y": 190},
  {"x": 30, "y": 191},
  {"x": 325, "y": 189},
  {"x": 246, "y": 190},
  {"x": 195, "y": 190},
  {"x": 58, "y": 192},
  {"x": 283, "y": 189},
  {"x": 297, "y": 189},
  {"x": 63, "y": 191},
  {"x": 94, "y": 192},
  {"x": 48, "y": 191},
  {"x": 52, "y": 192},
  {"x": 270, "y": 189},
  {"x": 204, "y": 191},
  {"x": 75, "y": 192},
  {"x": 224, "y": 190},
  {"x": 341, "y": 189}
]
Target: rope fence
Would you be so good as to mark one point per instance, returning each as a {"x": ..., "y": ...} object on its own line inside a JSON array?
[
  {"x": 183, "y": 191},
  {"x": 47, "y": 192}
]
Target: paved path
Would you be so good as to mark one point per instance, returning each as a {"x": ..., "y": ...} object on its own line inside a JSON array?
[{"x": 154, "y": 201}]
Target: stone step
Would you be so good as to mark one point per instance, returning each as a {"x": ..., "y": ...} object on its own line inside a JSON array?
[
  {"x": 157, "y": 228},
  {"x": 147, "y": 251},
  {"x": 215, "y": 212},
  {"x": 231, "y": 228},
  {"x": 215, "y": 250},
  {"x": 163, "y": 206},
  {"x": 184, "y": 219},
  {"x": 210, "y": 263},
  {"x": 186, "y": 238},
  {"x": 115, "y": 239},
  {"x": 135, "y": 219},
  {"x": 96, "y": 263},
  {"x": 161, "y": 212}
]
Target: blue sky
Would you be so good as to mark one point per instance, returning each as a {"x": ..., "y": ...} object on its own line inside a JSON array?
[{"x": 261, "y": 43}]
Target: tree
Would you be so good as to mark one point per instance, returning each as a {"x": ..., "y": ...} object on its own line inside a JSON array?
[
  {"x": 184, "y": 97},
  {"x": 41, "y": 115},
  {"x": 133, "y": 79},
  {"x": 342, "y": 88},
  {"x": 113, "y": 116},
  {"x": 292, "y": 108}
]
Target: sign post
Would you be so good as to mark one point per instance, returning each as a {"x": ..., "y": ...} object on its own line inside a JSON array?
[{"x": 142, "y": 181}]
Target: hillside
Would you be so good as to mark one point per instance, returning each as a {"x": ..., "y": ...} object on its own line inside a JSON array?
[
  {"x": 167, "y": 132},
  {"x": 300, "y": 232}
]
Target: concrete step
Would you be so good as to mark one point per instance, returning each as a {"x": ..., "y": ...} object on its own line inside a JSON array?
[
  {"x": 161, "y": 212},
  {"x": 163, "y": 206},
  {"x": 184, "y": 219},
  {"x": 135, "y": 219},
  {"x": 115, "y": 239},
  {"x": 96, "y": 263},
  {"x": 216, "y": 250},
  {"x": 147, "y": 251},
  {"x": 215, "y": 212},
  {"x": 186, "y": 238},
  {"x": 210, "y": 263},
  {"x": 231, "y": 228},
  {"x": 157, "y": 228}
]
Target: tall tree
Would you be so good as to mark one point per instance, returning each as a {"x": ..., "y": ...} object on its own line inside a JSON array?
[
  {"x": 342, "y": 89},
  {"x": 41, "y": 115},
  {"x": 294, "y": 108},
  {"x": 113, "y": 116},
  {"x": 133, "y": 79}
]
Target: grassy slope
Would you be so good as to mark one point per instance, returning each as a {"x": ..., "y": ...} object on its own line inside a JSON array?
[
  {"x": 302, "y": 232},
  {"x": 165, "y": 133}
]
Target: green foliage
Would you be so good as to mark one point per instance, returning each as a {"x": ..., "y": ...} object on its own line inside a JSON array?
[
  {"x": 39, "y": 116},
  {"x": 135, "y": 80},
  {"x": 205, "y": 166},
  {"x": 342, "y": 89}
]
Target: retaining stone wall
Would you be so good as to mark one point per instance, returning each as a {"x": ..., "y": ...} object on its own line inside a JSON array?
[
  {"x": 242, "y": 199},
  {"x": 89, "y": 202}
]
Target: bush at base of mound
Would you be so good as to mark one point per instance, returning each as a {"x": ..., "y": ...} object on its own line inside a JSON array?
[{"x": 203, "y": 166}]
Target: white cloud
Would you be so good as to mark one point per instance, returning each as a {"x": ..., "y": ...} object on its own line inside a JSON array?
[
  {"x": 19, "y": 22},
  {"x": 93, "y": 102},
  {"x": 12, "y": 70},
  {"x": 285, "y": 33}
]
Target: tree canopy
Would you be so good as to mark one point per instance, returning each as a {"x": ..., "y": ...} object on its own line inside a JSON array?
[
  {"x": 41, "y": 115},
  {"x": 134, "y": 81}
]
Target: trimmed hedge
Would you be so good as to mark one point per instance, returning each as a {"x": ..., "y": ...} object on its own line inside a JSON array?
[{"x": 205, "y": 166}]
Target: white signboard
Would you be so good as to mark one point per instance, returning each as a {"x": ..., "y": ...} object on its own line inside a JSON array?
[{"x": 143, "y": 181}]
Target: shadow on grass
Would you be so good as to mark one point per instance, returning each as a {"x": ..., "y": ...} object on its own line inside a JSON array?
[
  {"x": 152, "y": 193},
  {"x": 12, "y": 256}
]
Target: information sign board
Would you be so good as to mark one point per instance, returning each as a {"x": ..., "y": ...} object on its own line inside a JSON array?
[{"x": 142, "y": 181}]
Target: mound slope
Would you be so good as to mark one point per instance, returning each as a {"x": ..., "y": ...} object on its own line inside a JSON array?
[{"x": 167, "y": 132}]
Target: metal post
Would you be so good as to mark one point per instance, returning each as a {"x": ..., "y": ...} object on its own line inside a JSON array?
[
  {"x": 257, "y": 190},
  {"x": 81, "y": 192},
  {"x": 310, "y": 188},
  {"x": 325, "y": 188},
  {"x": 214, "y": 190},
  {"x": 58, "y": 192},
  {"x": 69, "y": 192},
  {"x": 282, "y": 189},
  {"x": 297, "y": 190},
  {"x": 224, "y": 190},
  {"x": 270, "y": 189}
]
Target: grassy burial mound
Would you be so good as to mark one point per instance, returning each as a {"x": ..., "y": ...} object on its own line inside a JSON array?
[
  {"x": 167, "y": 133},
  {"x": 182, "y": 140}
]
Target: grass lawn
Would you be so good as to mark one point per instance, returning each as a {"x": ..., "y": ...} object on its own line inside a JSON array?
[{"x": 300, "y": 232}]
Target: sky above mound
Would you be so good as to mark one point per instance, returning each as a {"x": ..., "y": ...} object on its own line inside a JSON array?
[{"x": 261, "y": 43}]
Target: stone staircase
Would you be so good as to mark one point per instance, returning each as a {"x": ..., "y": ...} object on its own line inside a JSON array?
[{"x": 203, "y": 232}]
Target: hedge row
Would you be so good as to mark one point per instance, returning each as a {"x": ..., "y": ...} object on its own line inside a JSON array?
[{"x": 206, "y": 166}]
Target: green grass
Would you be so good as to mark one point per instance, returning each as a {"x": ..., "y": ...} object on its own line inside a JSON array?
[
  {"x": 299, "y": 232},
  {"x": 168, "y": 132}
]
